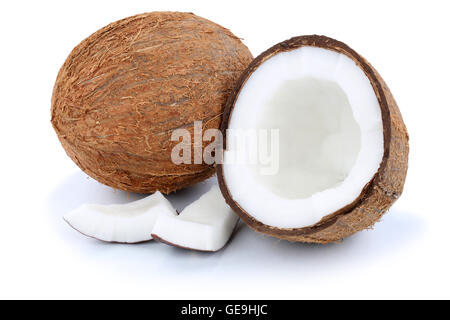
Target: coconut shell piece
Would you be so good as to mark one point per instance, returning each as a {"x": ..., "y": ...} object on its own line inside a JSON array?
[
  {"x": 122, "y": 91},
  {"x": 379, "y": 194}
]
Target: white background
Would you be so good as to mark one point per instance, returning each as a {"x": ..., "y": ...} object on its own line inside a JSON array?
[{"x": 405, "y": 256}]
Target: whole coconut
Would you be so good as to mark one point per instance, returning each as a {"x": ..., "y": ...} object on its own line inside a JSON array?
[{"x": 123, "y": 90}]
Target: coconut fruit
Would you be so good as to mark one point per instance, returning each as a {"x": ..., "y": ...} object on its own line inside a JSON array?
[
  {"x": 343, "y": 146},
  {"x": 121, "y": 223},
  {"x": 123, "y": 90},
  {"x": 204, "y": 225}
]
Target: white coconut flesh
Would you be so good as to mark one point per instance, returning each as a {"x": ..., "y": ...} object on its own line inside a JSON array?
[
  {"x": 123, "y": 223},
  {"x": 330, "y": 137},
  {"x": 204, "y": 225}
]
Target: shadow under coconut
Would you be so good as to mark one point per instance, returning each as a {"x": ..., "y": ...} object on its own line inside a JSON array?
[
  {"x": 256, "y": 255},
  {"x": 394, "y": 234},
  {"x": 249, "y": 254}
]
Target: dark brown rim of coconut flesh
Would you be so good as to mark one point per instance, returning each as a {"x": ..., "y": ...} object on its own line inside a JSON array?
[{"x": 288, "y": 45}]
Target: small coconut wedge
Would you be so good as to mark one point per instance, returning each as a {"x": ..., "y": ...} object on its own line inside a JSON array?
[
  {"x": 121, "y": 223},
  {"x": 204, "y": 225},
  {"x": 343, "y": 146}
]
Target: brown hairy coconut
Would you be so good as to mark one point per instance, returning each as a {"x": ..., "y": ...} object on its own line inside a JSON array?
[
  {"x": 123, "y": 90},
  {"x": 343, "y": 151}
]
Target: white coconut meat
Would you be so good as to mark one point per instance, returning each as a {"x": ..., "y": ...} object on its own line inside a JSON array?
[
  {"x": 330, "y": 137},
  {"x": 123, "y": 223},
  {"x": 204, "y": 225}
]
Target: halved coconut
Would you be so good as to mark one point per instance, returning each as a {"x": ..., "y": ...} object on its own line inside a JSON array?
[
  {"x": 204, "y": 225},
  {"x": 343, "y": 146},
  {"x": 122, "y": 223}
]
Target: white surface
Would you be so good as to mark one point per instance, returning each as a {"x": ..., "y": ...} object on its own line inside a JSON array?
[
  {"x": 131, "y": 222},
  {"x": 206, "y": 224},
  {"x": 331, "y": 139},
  {"x": 405, "y": 256}
]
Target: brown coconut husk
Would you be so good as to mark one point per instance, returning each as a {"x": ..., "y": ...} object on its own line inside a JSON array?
[
  {"x": 123, "y": 90},
  {"x": 383, "y": 189}
]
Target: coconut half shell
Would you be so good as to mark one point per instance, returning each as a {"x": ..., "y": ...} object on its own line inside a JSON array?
[
  {"x": 377, "y": 196},
  {"x": 122, "y": 92}
]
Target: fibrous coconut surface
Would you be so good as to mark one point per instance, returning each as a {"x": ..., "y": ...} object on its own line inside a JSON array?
[{"x": 123, "y": 91}]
